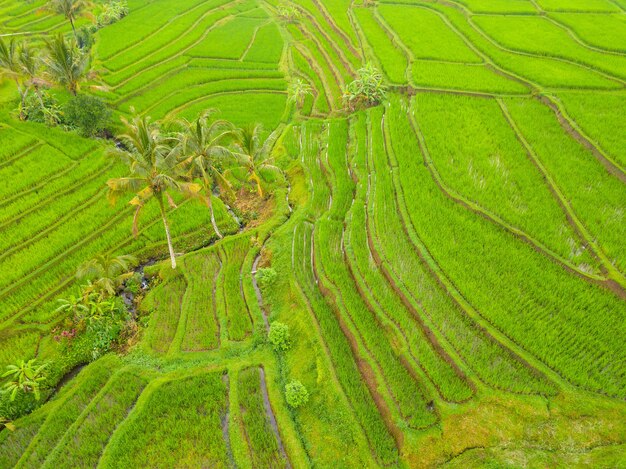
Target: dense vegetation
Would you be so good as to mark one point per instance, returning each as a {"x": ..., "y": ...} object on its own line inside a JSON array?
[{"x": 312, "y": 233}]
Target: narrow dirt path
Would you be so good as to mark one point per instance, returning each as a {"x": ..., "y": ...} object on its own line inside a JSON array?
[{"x": 271, "y": 417}]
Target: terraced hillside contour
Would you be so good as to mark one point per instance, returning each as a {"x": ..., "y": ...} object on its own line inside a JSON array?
[{"x": 450, "y": 262}]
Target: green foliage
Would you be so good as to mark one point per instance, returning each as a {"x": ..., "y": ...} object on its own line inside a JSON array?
[
  {"x": 25, "y": 377},
  {"x": 40, "y": 106},
  {"x": 279, "y": 336},
  {"x": 266, "y": 277},
  {"x": 112, "y": 12},
  {"x": 90, "y": 115},
  {"x": 296, "y": 394},
  {"x": 366, "y": 90}
]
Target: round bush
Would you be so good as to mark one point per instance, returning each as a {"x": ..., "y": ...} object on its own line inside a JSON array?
[
  {"x": 279, "y": 336},
  {"x": 296, "y": 394},
  {"x": 88, "y": 114}
]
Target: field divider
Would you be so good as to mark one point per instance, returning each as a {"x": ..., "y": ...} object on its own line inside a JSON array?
[
  {"x": 329, "y": 19},
  {"x": 55, "y": 195},
  {"x": 575, "y": 222},
  {"x": 178, "y": 109},
  {"x": 372, "y": 303},
  {"x": 58, "y": 222},
  {"x": 11, "y": 198},
  {"x": 508, "y": 345},
  {"x": 572, "y": 128},
  {"x": 21, "y": 153},
  {"x": 50, "y": 263},
  {"x": 317, "y": 69},
  {"x": 165, "y": 26},
  {"x": 219, "y": 23},
  {"x": 330, "y": 41},
  {"x": 366, "y": 371},
  {"x": 494, "y": 218}
]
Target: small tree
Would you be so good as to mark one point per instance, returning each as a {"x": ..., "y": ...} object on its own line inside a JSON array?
[
  {"x": 287, "y": 12},
  {"x": 90, "y": 115},
  {"x": 66, "y": 64},
  {"x": 26, "y": 376},
  {"x": 253, "y": 154},
  {"x": 298, "y": 91},
  {"x": 70, "y": 9},
  {"x": 279, "y": 336},
  {"x": 367, "y": 90},
  {"x": 296, "y": 394},
  {"x": 106, "y": 272}
]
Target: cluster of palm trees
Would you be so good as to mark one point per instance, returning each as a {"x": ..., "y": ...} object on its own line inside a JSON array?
[
  {"x": 60, "y": 63},
  {"x": 199, "y": 159}
]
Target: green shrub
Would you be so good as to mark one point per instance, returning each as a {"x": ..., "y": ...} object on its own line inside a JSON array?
[
  {"x": 279, "y": 336},
  {"x": 112, "y": 12},
  {"x": 88, "y": 114},
  {"x": 296, "y": 394},
  {"x": 41, "y": 108},
  {"x": 266, "y": 277}
]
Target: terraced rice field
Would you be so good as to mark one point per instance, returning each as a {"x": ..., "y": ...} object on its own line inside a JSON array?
[{"x": 450, "y": 263}]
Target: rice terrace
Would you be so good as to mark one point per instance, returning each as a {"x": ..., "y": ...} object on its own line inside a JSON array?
[{"x": 312, "y": 233}]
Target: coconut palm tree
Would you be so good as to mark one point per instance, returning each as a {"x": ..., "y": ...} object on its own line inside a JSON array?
[
  {"x": 11, "y": 68},
  {"x": 66, "y": 64},
  {"x": 154, "y": 170},
  {"x": 71, "y": 9},
  {"x": 107, "y": 272},
  {"x": 26, "y": 376},
  {"x": 298, "y": 91},
  {"x": 203, "y": 146},
  {"x": 253, "y": 154}
]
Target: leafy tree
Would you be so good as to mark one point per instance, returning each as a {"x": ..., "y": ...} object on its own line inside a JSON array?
[
  {"x": 70, "y": 9},
  {"x": 154, "y": 170},
  {"x": 367, "y": 89},
  {"x": 266, "y": 277},
  {"x": 287, "y": 12},
  {"x": 203, "y": 144},
  {"x": 298, "y": 91},
  {"x": 88, "y": 113},
  {"x": 107, "y": 272},
  {"x": 253, "y": 155},
  {"x": 10, "y": 67},
  {"x": 26, "y": 376},
  {"x": 296, "y": 394},
  {"x": 66, "y": 64},
  {"x": 112, "y": 12},
  {"x": 279, "y": 336}
]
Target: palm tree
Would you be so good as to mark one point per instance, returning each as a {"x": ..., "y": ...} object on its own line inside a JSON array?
[
  {"x": 107, "y": 272},
  {"x": 254, "y": 156},
  {"x": 154, "y": 169},
  {"x": 71, "y": 9},
  {"x": 298, "y": 91},
  {"x": 10, "y": 67},
  {"x": 66, "y": 64},
  {"x": 203, "y": 144},
  {"x": 25, "y": 376}
]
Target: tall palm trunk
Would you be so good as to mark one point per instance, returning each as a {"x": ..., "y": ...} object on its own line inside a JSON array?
[
  {"x": 22, "y": 99},
  {"x": 69, "y": 17},
  {"x": 167, "y": 231},
  {"x": 209, "y": 203}
]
